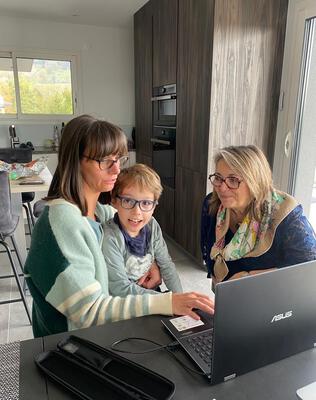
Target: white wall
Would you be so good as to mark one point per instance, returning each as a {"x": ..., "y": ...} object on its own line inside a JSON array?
[{"x": 106, "y": 73}]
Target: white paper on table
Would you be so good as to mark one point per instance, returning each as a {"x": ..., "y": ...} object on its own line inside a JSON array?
[{"x": 185, "y": 322}]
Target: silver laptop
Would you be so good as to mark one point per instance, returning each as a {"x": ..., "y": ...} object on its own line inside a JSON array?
[{"x": 258, "y": 320}]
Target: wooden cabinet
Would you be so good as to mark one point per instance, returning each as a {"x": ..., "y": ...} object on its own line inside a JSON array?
[
  {"x": 194, "y": 76},
  {"x": 248, "y": 50},
  {"x": 155, "y": 40},
  {"x": 195, "y": 45},
  {"x": 226, "y": 58},
  {"x": 165, "y": 22},
  {"x": 164, "y": 212},
  {"x": 143, "y": 159},
  {"x": 188, "y": 205},
  {"x": 228, "y": 80},
  {"x": 143, "y": 79}
]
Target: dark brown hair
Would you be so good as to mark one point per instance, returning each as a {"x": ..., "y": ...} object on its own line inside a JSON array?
[{"x": 83, "y": 135}]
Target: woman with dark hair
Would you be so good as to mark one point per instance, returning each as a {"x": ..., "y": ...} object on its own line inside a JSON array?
[
  {"x": 65, "y": 268},
  {"x": 248, "y": 226}
]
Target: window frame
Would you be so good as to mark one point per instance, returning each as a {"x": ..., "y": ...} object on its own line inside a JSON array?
[{"x": 73, "y": 58}]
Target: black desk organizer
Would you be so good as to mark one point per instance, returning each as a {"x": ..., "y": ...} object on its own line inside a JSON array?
[{"x": 93, "y": 372}]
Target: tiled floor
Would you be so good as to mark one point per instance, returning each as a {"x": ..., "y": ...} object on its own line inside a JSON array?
[
  {"x": 13, "y": 320},
  {"x": 14, "y": 324}
]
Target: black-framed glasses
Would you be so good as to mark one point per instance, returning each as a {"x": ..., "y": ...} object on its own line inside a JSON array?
[
  {"x": 232, "y": 182},
  {"x": 107, "y": 163},
  {"x": 144, "y": 205}
]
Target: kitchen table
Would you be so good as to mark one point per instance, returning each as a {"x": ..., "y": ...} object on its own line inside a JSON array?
[
  {"x": 275, "y": 381},
  {"x": 17, "y": 209}
]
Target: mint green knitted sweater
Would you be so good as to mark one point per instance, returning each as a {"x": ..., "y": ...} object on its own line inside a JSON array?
[{"x": 68, "y": 278}]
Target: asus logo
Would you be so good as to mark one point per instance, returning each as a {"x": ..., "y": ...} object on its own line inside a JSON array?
[{"x": 278, "y": 317}]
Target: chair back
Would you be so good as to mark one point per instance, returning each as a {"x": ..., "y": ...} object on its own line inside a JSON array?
[
  {"x": 19, "y": 155},
  {"x": 8, "y": 222}
]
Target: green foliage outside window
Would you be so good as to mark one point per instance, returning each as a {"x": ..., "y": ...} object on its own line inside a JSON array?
[{"x": 44, "y": 87}]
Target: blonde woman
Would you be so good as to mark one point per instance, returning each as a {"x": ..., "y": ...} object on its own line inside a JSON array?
[{"x": 247, "y": 225}]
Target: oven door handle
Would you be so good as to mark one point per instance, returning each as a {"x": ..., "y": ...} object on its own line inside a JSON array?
[
  {"x": 166, "y": 97},
  {"x": 160, "y": 141}
]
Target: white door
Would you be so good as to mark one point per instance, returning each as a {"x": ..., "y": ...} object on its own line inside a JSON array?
[{"x": 294, "y": 167}]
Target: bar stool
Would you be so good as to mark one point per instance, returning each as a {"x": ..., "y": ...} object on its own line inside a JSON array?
[
  {"x": 27, "y": 198},
  {"x": 21, "y": 155},
  {"x": 8, "y": 224},
  {"x": 38, "y": 208}
]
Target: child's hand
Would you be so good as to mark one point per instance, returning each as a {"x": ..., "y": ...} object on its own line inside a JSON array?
[{"x": 152, "y": 278}]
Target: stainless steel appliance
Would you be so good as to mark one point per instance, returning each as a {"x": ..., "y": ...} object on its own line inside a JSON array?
[
  {"x": 14, "y": 140},
  {"x": 164, "y": 154},
  {"x": 164, "y": 102}
]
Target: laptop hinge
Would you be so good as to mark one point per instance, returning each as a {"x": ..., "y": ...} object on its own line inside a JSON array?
[{"x": 228, "y": 377}]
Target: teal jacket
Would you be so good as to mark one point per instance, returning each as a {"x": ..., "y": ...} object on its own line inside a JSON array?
[
  {"x": 125, "y": 269},
  {"x": 68, "y": 278}
]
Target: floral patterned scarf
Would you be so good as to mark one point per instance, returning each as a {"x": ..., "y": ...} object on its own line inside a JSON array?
[{"x": 252, "y": 238}]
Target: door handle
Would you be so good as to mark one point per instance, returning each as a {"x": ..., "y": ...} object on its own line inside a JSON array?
[
  {"x": 287, "y": 144},
  {"x": 160, "y": 141},
  {"x": 166, "y": 97}
]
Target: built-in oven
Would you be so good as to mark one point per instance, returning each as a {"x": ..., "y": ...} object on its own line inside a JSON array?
[
  {"x": 164, "y": 154},
  {"x": 164, "y": 103}
]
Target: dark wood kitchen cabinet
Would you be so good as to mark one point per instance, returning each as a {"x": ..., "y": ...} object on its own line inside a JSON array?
[
  {"x": 143, "y": 82},
  {"x": 228, "y": 80},
  {"x": 228, "y": 56},
  {"x": 155, "y": 59},
  {"x": 155, "y": 43},
  {"x": 165, "y": 22},
  {"x": 143, "y": 159},
  {"x": 164, "y": 212},
  {"x": 190, "y": 190},
  {"x": 195, "y": 48}
]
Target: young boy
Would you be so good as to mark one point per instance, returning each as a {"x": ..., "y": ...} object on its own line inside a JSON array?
[{"x": 133, "y": 239}]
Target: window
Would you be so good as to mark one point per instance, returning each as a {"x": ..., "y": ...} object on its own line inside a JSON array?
[{"x": 33, "y": 86}]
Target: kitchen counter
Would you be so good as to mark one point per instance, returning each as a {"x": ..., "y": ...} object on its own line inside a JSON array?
[
  {"x": 44, "y": 150},
  {"x": 52, "y": 150}
]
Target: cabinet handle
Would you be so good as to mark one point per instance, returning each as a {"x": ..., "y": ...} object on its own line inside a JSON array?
[
  {"x": 287, "y": 144},
  {"x": 167, "y": 142},
  {"x": 166, "y": 97}
]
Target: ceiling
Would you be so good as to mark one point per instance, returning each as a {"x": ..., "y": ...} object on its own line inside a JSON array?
[{"x": 111, "y": 13}]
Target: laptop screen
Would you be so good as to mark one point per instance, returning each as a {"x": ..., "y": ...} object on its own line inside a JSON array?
[{"x": 258, "y": 320}]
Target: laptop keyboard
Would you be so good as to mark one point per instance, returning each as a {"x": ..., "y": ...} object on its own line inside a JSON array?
[{"x": 202, "y": 345}]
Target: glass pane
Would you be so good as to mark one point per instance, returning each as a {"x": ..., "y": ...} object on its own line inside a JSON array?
[
  {"x": 167, "y": 107},
  {"x": 7, "y": 91},
  {"x": 45, "y": 86},
  {"x": 304, "y": 165}
]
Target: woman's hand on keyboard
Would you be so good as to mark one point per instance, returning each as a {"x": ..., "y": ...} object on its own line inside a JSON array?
[{"x": 184, "y": 303}]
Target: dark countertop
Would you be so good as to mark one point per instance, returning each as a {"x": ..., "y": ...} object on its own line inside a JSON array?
[
  {"x": 44, "y": 150},
  {"x": 52, "y": 150}
]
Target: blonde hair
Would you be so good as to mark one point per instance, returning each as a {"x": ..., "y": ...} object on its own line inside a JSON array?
[
  {"x": 138, "y": 175},
  {"x": 250, "y": 163}
]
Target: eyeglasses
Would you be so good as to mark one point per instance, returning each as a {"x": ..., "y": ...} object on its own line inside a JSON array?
[
  {"x": 232, "y": 182},
  {"x": 144, "y": 205},
  {"x": 108, "y": 163}
]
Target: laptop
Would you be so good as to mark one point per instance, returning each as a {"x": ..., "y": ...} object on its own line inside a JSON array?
[{"x": 258, "y": 320}]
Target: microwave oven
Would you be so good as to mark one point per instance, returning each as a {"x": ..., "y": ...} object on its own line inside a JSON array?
[{"x": 164, "y": 103}]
